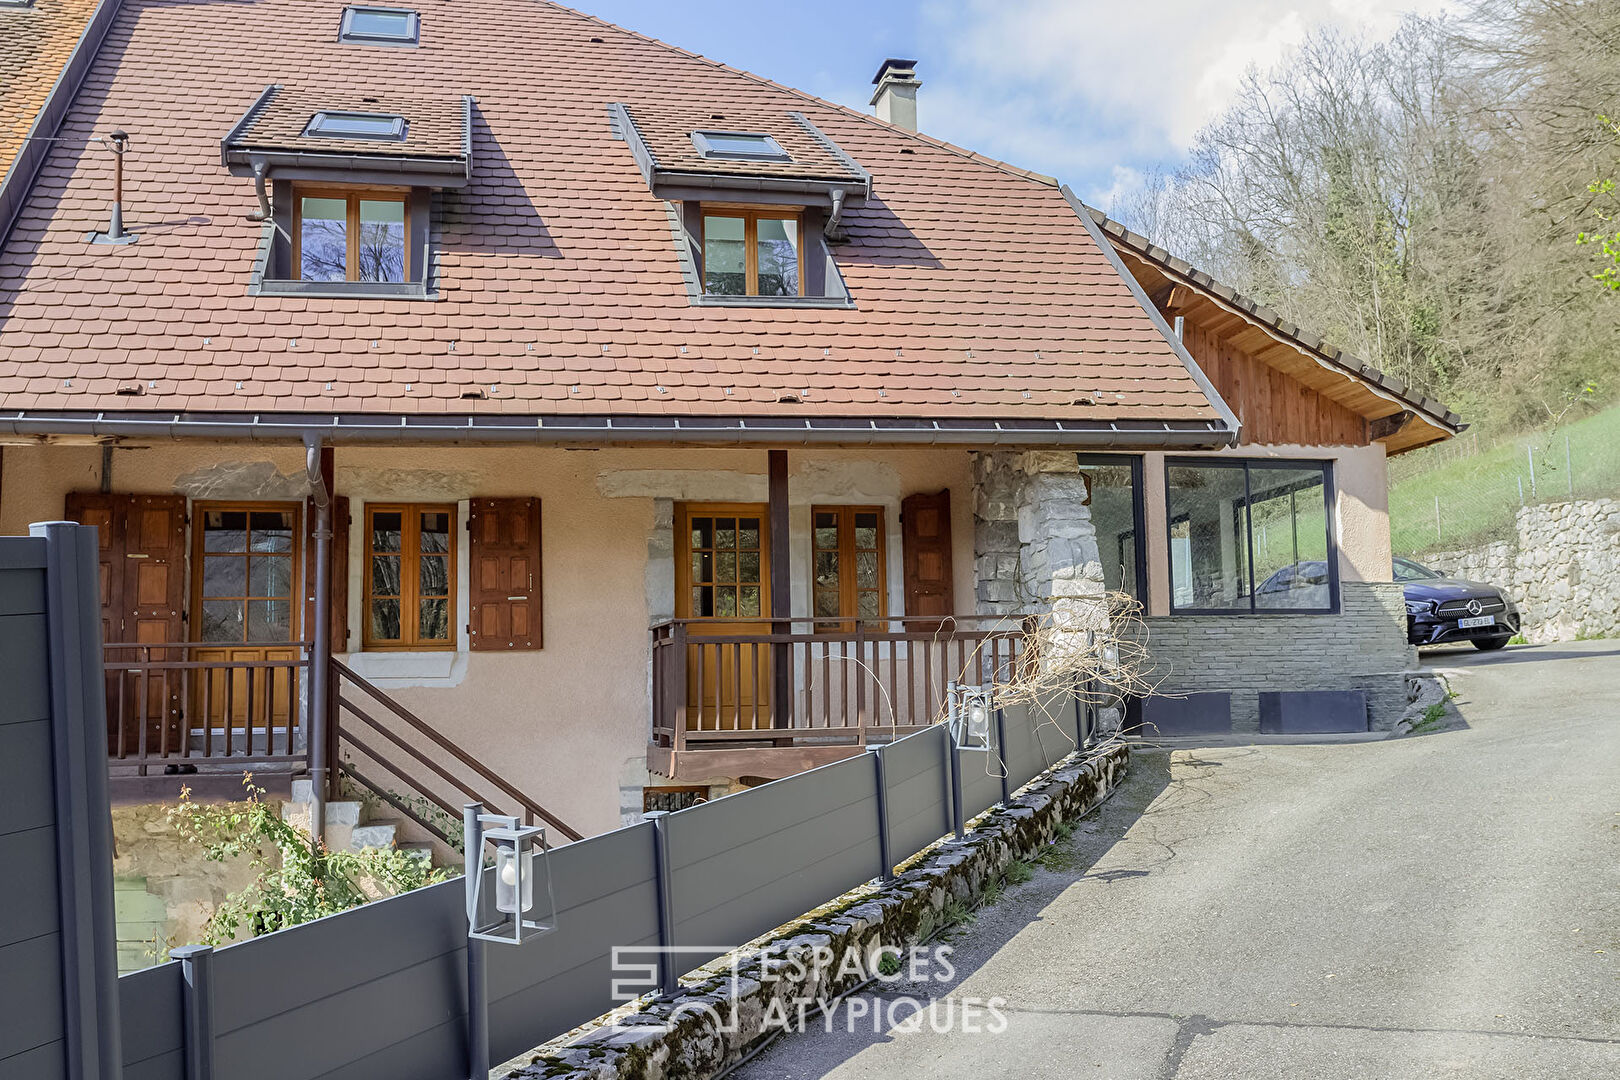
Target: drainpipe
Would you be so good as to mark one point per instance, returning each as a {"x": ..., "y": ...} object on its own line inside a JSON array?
[
  {"x": 261, "y": 173},
  {"x": 320, "y": 654}
]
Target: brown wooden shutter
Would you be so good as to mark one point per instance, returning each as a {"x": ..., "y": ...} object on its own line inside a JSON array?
[
  {"x": 505, "y": 574},
  {"x": 925, "y": 536},
  {"x": 340, "y": 572},
  {"x": 105, "y": 512}
]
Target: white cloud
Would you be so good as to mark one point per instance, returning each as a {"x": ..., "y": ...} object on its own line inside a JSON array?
[{"x": 1139, "y": 78}]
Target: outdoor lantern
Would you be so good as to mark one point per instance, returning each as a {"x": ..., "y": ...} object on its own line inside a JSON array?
[
  {"x": 969, "y": 714},
  {"x": 520, "y": 857}
]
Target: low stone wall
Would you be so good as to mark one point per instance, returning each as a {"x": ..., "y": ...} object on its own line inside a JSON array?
[
  {"x": 166, "y": 890},
  {"x": 1361, "y": 648},
  {"x": 717, "y": 1018},
  {"x": 1562, "y": 568}
]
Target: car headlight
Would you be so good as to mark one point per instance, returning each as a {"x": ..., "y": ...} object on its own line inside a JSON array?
[{"x": 1419, "y": 607}]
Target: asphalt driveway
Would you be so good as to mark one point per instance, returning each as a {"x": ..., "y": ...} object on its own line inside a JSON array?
[{"x": 1442, "y": 905}]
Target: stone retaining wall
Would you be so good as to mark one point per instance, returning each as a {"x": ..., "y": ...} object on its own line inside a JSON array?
[
  {"x": 717, "y": 1019},
  {"x": 1562, "y": 567}
]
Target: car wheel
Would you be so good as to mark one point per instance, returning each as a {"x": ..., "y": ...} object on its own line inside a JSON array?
[{"x": 1491, "y": 644}]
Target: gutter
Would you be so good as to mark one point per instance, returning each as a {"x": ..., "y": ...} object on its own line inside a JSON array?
[
  {"x": 36, "y": 147},
  {"x": 565, "y": 430}
]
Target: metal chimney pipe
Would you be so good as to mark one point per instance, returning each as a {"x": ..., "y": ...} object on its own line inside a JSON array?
[{"x": 118, "y": 141}]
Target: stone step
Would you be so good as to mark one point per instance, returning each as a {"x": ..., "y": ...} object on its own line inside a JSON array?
[
  {"x": 419, "y": 851},
  {"x": 344, "y": 813},
  {"x": 373, "y": 834}
]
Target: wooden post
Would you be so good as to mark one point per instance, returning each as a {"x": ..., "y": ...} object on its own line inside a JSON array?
[{"x": 781, "y": 594}]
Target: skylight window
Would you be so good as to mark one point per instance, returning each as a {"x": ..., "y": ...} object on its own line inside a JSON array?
[
  {"x": 738, "y": 146},
  {"x": 380, "y": 26},
  {"x": 382, "y": 127}
]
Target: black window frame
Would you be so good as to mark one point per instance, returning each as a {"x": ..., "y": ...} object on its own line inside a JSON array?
[
  {"x": 347, "y": 35},
  {"x": 1138, "y": 511},
  {"x": 398, "y": 135},
  {"x": 700, "y": 139},
  {"x": 1330, "y": 498}
]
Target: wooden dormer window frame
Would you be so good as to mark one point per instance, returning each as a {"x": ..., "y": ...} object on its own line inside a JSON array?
[
  {"x": 750, "y": 216},
  {"x": 352, "y": 196}
]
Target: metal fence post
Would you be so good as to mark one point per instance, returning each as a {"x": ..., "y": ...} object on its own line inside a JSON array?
[
  {"x": 197, "y": 1008},
  {"x": 953, "y": 753},
  {"x": 668, "y": 975},
  {"x": 472, "y": 868},
  {"x": 885, "y": 857},
  {"x": 1001, "y": 755}
]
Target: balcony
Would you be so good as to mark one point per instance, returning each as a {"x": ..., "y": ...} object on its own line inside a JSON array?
[
  {"x": 195, "y": 714},
  {"x": 772, "y": 697}
]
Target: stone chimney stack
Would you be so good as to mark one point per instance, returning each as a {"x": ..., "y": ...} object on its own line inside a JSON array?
[{"x": 896, "y": 94}]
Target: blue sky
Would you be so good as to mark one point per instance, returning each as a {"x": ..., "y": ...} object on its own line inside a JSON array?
[{"x": 1095, "y": 92}]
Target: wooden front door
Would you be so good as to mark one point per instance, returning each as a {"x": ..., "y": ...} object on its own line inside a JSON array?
[
  {"x": 142, "y": 557},
  {"x": 723, "y": 582},
  {"x": 244, "y": 562}
]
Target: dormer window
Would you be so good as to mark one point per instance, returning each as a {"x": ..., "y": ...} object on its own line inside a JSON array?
[
  {"x": 749, "y": 252},
  {"x": 341, "y": 235},
  {"x": 379, "y": 26},
  {"x": 380, "y": 127}
]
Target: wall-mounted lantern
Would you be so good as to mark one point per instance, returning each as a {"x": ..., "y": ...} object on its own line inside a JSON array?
[
  {"x": 968, "y": 713},
  {"x": 520, "y": 874}
]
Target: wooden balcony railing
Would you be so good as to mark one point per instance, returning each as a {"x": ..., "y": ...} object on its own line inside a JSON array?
[
  {"x": 191, "y": 703},
  {"x": 798, "y": 681}
]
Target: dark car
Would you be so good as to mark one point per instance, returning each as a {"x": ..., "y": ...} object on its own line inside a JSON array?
[{"x": 1443, "y": 611}]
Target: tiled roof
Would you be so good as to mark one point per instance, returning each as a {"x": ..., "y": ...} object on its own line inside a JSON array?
[
  {"x": 667, "y": 132},
  {"x": 35, "y": 43},
  {"x": 435, "y": 126},
  {"x": 978, "y": 290}
]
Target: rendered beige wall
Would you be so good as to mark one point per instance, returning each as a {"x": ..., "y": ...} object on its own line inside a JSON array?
[
  {"x": 569, "y": 723},
  {"x": 1361, "y": 520}
]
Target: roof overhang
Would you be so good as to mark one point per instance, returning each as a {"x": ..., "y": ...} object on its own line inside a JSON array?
[
  {"x": 1405, "y": 422},
  {"x": 33, "y": 426}
]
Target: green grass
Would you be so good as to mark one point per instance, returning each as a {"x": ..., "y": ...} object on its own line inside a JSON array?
[{"x": 1479, "y": 493}]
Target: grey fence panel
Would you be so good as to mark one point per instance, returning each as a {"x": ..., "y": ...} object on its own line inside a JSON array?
[
  {"x": 748, "y": 863},
  {"x": 981, "y": 781},
  {"x": 332, "y": 993},
  {"x": 151, "y": 1014},
  {"x": 1021, "y": 753},
  {"x": 58, "y": 1007},
  {"x": 918, "y": 774},
  {"x": 380, "y": 991},
  {"x": 607, "y": 896}
]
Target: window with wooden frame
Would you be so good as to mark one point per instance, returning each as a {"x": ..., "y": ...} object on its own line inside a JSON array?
[
  {"x": 752, "y": 252},
  {"x": 848, "y": 578},
  {"x": 410, "y": 577},
  {"x": 351, "y": 234}
]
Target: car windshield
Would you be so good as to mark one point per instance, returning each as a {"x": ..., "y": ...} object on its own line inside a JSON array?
[{"x": 1407, "y": 570}]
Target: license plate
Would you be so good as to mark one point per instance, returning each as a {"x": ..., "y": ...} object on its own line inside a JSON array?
[{"x": 1477, "y": 620}]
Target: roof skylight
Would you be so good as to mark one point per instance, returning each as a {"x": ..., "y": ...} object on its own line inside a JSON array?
[
  {"x": 383, "y": 127},
  {"x": 738, "y": 146},
  {"x": 380, "y": 26}
]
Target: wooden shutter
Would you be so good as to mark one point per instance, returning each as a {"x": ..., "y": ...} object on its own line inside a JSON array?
[
  {"x": 105, "y": 512},
  {"x": 925, "y": 536},
  {"x": 340, "y": 572},
  {"x": 505, "y": 602}
]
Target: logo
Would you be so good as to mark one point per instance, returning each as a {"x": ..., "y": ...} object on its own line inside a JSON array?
[{"x": 1475, "y": 607}]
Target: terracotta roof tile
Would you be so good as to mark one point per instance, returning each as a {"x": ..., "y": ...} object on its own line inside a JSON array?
[
  {"x": 978, "y": 291},
  {"x": 35, "y": 43},
  {"x": 435, "y": 126}
]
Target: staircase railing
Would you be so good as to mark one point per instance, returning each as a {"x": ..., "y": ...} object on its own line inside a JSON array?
[{"x": 389, "y": 726}]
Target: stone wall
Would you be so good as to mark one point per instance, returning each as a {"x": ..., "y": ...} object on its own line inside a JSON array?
[
  {"x": 1035, "y": 548},
  {"x": 1361, "y": 648},
  {"x": 166, "y": 889},
  {"x": 1562, "y": 568},
  {"x": 715, "y": 1021}
]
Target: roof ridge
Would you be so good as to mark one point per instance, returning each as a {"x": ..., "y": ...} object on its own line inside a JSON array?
[{"x": 973, "y": 155}]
